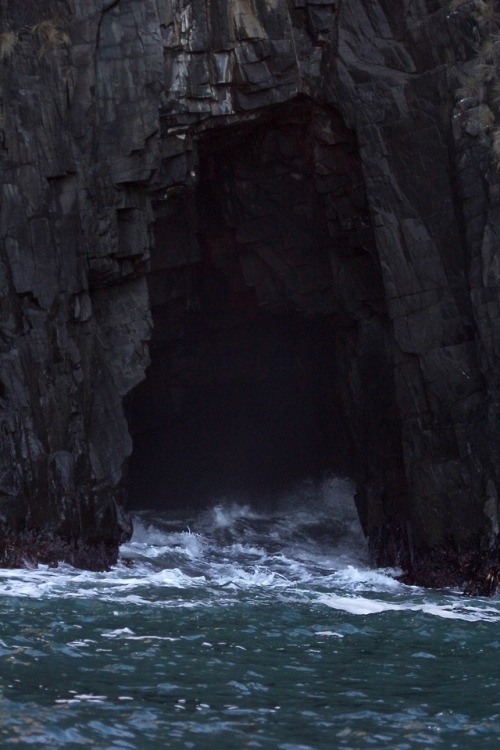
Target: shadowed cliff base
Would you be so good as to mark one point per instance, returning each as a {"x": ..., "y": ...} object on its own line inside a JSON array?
[
  {"x": 30, "y": 548},
  {"x": 466, "y": 569}
]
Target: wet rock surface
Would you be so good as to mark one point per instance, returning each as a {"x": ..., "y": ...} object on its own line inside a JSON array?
[{"x": 292, "y": 193}]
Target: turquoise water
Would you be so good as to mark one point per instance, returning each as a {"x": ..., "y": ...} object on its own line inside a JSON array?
[{"x": 237, "y": 629}]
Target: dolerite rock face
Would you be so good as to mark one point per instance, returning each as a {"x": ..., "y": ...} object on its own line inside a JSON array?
[
  {"x": 432, "y": 189},
  {"x": 74, "y": 306},
  {"x": 298, "y": 176}
]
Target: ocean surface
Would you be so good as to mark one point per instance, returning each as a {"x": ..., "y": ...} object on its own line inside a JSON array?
[{"x": 239, "y": 628}]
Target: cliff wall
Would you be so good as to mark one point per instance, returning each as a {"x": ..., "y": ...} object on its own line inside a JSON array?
[{"x": 261, "y": 171}]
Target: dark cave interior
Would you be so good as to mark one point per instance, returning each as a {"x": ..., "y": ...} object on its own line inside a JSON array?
[{"x": 263, "y": 286}]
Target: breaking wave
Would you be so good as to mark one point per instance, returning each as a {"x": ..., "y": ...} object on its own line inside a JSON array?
[{"x": 309, "y": 547}]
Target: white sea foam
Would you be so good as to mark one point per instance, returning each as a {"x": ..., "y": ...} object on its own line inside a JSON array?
[
  {"x": 365, "y": 579},
  {"x": 228, "y": 579},
  {"x": 81, "y": 698},
  {"x": 308, "y": 548},
  {"x": 224, "y": 516},
  {"x": 153, "y": 542},
  {"x": 129, "y": 635},
  {"x": 359, "y": 605}
]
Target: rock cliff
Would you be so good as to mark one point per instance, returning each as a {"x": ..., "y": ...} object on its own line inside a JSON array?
[{"x": 291, "y": 206}]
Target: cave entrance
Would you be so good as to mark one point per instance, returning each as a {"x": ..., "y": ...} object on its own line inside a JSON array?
[{"x": 255, "y": 314}]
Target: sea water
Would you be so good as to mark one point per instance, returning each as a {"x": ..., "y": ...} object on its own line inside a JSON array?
[{"x": 243, "y": 628}]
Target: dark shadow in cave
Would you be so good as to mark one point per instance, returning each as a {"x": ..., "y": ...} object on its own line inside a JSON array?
[{"x": 259, "y": 279}]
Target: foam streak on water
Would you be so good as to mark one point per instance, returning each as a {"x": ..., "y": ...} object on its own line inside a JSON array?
[{"x": 240, "y": 627}]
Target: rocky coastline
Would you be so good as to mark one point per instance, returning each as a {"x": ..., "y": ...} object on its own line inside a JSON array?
[{"x": 266, "y": 222}]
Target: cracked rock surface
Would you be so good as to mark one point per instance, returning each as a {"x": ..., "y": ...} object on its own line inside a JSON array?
[{"x": 295, "y": 171}]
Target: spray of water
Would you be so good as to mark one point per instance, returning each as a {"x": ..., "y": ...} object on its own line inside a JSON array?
[{"x": 308, "y": 547}]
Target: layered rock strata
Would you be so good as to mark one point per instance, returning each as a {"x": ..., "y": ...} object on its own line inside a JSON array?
[{"x": 298, "y": 172}]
